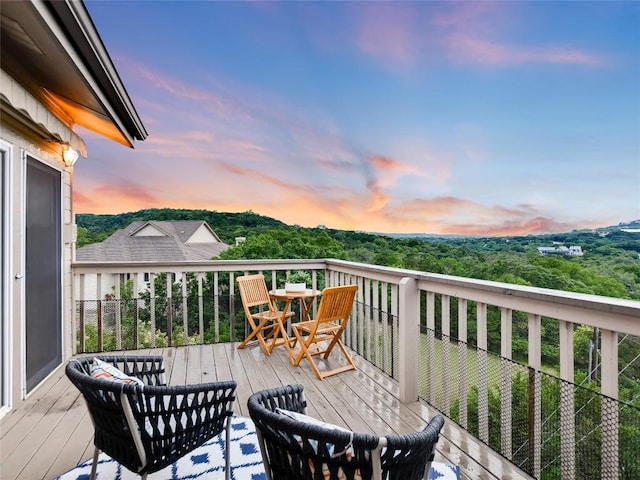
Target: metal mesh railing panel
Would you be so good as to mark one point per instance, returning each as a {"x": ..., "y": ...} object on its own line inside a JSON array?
[
  {"x": 499, "y": 400},
  {"x": 111, "y": 325},
  {"x": 378, "y": 342}
]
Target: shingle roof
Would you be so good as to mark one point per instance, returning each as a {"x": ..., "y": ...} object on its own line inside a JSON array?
[{"x": 170, "y": 245}]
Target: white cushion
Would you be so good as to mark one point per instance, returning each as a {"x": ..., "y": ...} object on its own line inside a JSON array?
[
  {"x": 301, "y": 417},
  {"x": 107, "y": 371}
]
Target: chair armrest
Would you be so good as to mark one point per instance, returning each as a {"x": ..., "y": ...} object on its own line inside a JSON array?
[
  {"x": 407, "y": 455},
  {"x": 429, "y": 435},
  {"x": 290, "y": 397}
]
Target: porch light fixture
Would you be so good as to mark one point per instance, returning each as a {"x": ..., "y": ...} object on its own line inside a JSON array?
[{"x": 69, "y": 156}]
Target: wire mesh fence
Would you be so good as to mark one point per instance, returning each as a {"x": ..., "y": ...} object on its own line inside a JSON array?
[
  {"x": 130, "y": 324},
  {"x": 539, "y": 422},
  {"x": 374, "y": 336}
]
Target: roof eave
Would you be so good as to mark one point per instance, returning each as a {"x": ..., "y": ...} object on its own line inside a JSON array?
[{"x": 78, "y": 35}]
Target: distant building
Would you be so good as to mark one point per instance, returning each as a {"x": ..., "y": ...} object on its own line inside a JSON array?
[
  {"x": 170, "y": 241},
  {"x": 150, "y": 241},
  {"x": 572, "y": 251}
]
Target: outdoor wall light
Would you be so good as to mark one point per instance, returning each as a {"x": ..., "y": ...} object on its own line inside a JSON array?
[{"x": 69, "y": 156}]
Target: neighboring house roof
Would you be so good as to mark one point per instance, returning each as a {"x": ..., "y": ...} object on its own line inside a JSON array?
[
  {"x": 54, "y": 52},
  {"x": 171, "y": 241}
]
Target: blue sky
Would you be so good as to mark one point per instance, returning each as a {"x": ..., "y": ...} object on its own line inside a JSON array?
[{"x": 496, "y": 118}]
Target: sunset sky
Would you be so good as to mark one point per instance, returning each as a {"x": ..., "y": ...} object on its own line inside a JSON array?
[{"x": 500, "y": 118}]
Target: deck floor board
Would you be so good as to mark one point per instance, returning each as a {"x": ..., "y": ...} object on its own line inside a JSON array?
[{"x": 52, "y": 432}]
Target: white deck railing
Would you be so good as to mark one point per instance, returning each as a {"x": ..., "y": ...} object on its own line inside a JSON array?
[{"x": 401, "y": 316}]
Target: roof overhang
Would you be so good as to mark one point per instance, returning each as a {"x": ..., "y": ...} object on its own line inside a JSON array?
[{"x": 53, "y": 50}]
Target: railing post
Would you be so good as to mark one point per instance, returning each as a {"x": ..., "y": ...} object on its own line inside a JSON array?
[
  {"x": 567, "y": 403},
  {"x": 375, "y": 318},
  {"x": 446, "y": 352},
  {"x": 185, "y": 309},
  {"x": 136, "y": 312},
  {"x": 81, "y": 320},
  {"x": 609, "y": 409},
  {"x": 535, "y": 394},
  {"x": 152, "y": 307},
  {"x": 366, "y": 317},
  {"x": 431, "y": 353},
  {"x": 483, "y": 373},
  {"x": 387, "y": 352},
  {"x": 216, "y": 310},
  {"x": 361, "y": 324},
  {"x": 232, "y": 307},
  {"x": 506, "y": 342},
  {"x": 200, "y": 307},
  {"x": 99, "y": 313},
  {"x": 462, "y": 359},
  {"x": 169, "y": 294},
  {"x": 394, "y": 334},
  {"x": 118, "y": 315},
  {"x": 409, "y": 324}
]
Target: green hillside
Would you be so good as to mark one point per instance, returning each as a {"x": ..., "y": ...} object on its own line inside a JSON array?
[
  {"x": 610, "y": 265},
  {"x": 95, "y": 228}
]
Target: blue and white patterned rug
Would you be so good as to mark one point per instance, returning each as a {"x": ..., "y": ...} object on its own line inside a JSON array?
[{"x": 207, "y": 461}]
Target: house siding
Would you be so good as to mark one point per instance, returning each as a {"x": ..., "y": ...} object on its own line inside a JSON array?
[
  {"x": 23, "y": 143},
  {"x": 202, "y": 235}
]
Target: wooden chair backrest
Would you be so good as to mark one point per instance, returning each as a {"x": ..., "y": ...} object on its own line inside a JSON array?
[
  {"x": 336, "y": 304},
  {"x": 253, "y": 291}
]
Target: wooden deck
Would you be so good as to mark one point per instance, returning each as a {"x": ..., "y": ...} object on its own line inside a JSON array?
[{"x": 51, "y": 432}]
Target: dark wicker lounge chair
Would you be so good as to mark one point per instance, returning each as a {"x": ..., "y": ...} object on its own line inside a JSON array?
[
  {"x": 295, "y": 450},
  {"x": 146, "y": 428}
]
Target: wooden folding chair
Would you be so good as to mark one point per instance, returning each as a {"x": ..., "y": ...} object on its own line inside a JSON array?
[
  {"x": 331, "y": 320},
  {"x": 261, "y": 312}
]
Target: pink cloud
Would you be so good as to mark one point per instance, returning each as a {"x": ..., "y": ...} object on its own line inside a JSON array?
[
  {"x": 463, "y": 48},
  {"x": 382, "y": 172},
  {"x": 436, "y": 207},
  {"x": 123, "y": 196},
  {"x": 464, "y": 15},
  {"x": 198, "y": 136},
  {"x": 246, "y": 146},
  {"x": 378, "y": 198},
  {"x": 534, "y": 226},
  {"x": 253, "y": 174},
  {"x": 388, "y": 31},
  {"x": 307, "y": 205},
  {"x": 390, "y": 165},
  {"x": 469, "y": 32},
  {"x": 216, "y": 99},
  {"x": 455, "y": 215}
]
